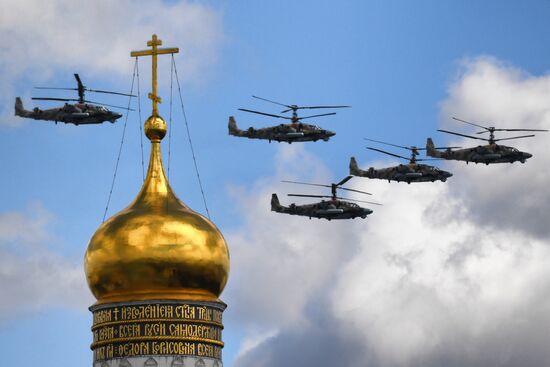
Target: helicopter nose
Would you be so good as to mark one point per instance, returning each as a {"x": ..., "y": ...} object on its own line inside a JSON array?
[
  {"x": 330, "y": 133},
  {"x": 527, "y": 155},
  {"x": 448, "y": 174}
]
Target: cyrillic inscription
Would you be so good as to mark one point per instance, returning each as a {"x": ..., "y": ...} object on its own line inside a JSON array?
[
  {"x": 125, "y": 350},
  {"x": 156, "y": 311},
  {"x": 157, "y": 329}
]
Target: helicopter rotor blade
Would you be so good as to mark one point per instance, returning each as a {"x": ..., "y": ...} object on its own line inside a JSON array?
[
  {"x": 266, "y": 114},
  {"x": 77, "y": 77},
  {"x": 521, "y": 130},
  {"x": 268, "y": 100},
  {"x": 53, "y": 99},
  {"x": 471, "y": 123},
  {"x": 322, "y": 114},
  {"x": 516, "y": 137},
  {"x": 313, "y": 107},
  {"x": 306, "y": 183},
  {"x": 430, "y": 159},
  {"x": 105, "y": 91},
  {"x": 437, "y": 148},
  {"x": 344, "y": 180},
  {"x": 467, "y": 136},
  {"x": 110, "y": 105},
  {"x": 388, "y": 153},
  {"x": 393, "y": 145},
  {"x": 353, "y": 190},
  {"x": 330, "y": 197},
  {"x": 310, "y": 196},
  {"x": 55, "y": 88},
  {"x": 359, "y": 201}
]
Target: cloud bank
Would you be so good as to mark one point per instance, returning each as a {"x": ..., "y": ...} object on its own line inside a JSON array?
[
  {"x": 33, "y": 276},
  {"x": 444, "y": 274}
]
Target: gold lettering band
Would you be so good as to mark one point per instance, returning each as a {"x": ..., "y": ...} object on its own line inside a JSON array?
[
  {"x": 132, "y": 349},
  {"x": 163, "y": 328},
  {"x": 161, "y": 338},
  {"x": 168, "y": 330},
  {"x": 213, "y": 323},
  {"x": 157, "y": 311}
]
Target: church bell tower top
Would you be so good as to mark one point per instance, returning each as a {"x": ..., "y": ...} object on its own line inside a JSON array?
[
  {"x": 153, "y": 52},
  {"x": 156, "y": 248}
]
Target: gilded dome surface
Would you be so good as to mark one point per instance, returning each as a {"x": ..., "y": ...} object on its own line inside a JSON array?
[{"x": 156, "y": 248}]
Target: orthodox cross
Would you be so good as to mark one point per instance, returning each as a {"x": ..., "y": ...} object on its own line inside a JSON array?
[{"x": 153, "y": 43}]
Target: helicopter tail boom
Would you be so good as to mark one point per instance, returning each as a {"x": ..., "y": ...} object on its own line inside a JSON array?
[
  {"x": 354, "y": 169},
  {"x": 431, "y": 150},
  {"x": 275, "y": 204},
  {"x": 20, "y": 110},
  {"x": 233, "y": 128}
]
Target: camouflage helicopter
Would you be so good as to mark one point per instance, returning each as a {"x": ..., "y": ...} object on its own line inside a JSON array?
[
  {"x": 489, "y": 153},
  {"x": 411, "y": 172},
  {"x": 295, "y": 131},
  {"x": 82, "y": 112},
  {"x": 335, "y": 208}
]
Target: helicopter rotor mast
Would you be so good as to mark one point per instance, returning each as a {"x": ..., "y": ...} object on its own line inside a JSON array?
[
  {"x": 81, "y": 90},
  {"x": 333, "y": 187},
  {"x": 294, "y": 108},
  {"x": 491, "y": 130},
  {"x": 414, "y": 150}
]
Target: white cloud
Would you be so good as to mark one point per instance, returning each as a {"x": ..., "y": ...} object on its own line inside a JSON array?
[
  {"x": 444, "y": 274},
  {"x": 32, "y": 275},
  {"x": 495, "y": 94},
  {"x": 95, "y": 38},
  {"x": 280, "y": 259}
]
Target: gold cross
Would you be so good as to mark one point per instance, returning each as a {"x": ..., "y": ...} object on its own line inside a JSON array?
[{"x": 153, "y": 43}]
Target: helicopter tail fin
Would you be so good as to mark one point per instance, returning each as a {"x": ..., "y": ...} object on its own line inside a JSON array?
[
  {"x": 430, "y": 149},
  {"x": 19, "y": 109},
  {"x": 353, "y": 168},
  {"x": 275, "y": 204},
  {"x": 232, "y": 126}
]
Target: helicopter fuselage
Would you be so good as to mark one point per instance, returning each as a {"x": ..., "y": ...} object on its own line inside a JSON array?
[
  {"x": 327, "y": 209},
  {"x": 292, "y": 132},
  {"x": 487, "y": 154},
  {"x": 77, "y": 113},
  {"x": 412, "y": 172}
]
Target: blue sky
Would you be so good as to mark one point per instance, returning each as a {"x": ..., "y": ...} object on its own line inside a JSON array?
[{"x": 404, "y": 67}]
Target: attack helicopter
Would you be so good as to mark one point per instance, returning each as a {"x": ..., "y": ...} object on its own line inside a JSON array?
[
  {"x": 489, "y": 153},
  {"x": 335, "y": 208},
  {"x": 295, "y": 131},
  {"x": 411, "y": 172},
  {"x": 80, "y": 113}
]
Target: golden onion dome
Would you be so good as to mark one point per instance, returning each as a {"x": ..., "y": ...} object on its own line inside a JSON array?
[{"x": 156, "y": 248}]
